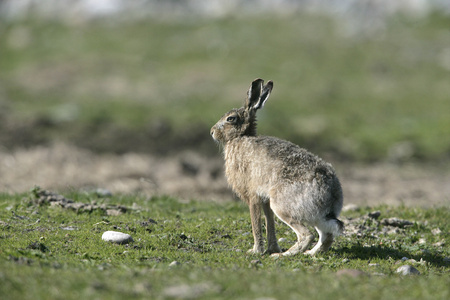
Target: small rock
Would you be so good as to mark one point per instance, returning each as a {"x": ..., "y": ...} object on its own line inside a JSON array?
[
  {"x": 421, "y": 241},
  {"x": 350, "y": 272},
  {"x": 103, "y": 193},
  {"x": 113, "y": 212},
  {"x": 393, "y": 231},
  {"x": 395, "y": 222},
  {"x": 174, "y": 264},
  {"x": 70, "y": 228},
  {"x": 150, "y": 220},
  {"x": 117, "y": 237},
  {"x": 345, "y": 260},
  {"x": 407, "y": 270},
  {"x": 374, "y": 265},
  {"x": 436, "y": 231},
  {"x": 375, "y": 214},
  {"x": 282, "y": 240}
]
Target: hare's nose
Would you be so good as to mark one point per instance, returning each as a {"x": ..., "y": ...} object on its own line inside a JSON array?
[{"x": 212, "y": 132}]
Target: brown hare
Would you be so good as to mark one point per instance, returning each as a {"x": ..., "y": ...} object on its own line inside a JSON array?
[{"x": 279, "y": 177}]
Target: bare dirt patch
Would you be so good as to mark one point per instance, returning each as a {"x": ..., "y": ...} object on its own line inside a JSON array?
[{"x": 190, "y": 175}]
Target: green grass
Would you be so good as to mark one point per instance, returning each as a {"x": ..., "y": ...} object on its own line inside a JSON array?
[
  {"x": 353, "y": 96},
  {"x": 41, "y": 259}
]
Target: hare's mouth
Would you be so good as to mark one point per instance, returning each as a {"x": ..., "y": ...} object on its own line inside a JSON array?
[
  {"x": 217, "y": 139},
  {"x": 213, "y": 136}
]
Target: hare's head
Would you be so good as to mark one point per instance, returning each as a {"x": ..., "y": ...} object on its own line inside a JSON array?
[{"x": 242, "y": 121}]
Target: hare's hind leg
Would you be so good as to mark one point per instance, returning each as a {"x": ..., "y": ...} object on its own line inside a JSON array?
[
  {"x": 324, "y": 243},
  {"x": 304, "y": 239},
  {"x": 327, "y": 230},
  {"x": 304, "y": 236}
]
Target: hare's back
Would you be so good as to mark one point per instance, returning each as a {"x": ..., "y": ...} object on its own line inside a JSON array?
[{"x": 293, "y": 159}]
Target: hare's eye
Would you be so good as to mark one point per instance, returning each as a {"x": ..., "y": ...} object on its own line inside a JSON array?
[{"x": 231, "y": 119}]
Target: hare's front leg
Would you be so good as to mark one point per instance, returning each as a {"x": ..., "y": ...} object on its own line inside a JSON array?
[
  {"x": 255, "y": 215},
  {"x": 270, "y": 229}
]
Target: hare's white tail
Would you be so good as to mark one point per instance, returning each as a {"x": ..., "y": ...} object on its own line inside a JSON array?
[
  {"x": 333, "y": 226},
  {"x": 330, "y": 225},
  {"x": 336, "y": 227}
]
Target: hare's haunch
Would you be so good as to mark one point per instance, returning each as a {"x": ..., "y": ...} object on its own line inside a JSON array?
[{"x": 278, "y": 177}]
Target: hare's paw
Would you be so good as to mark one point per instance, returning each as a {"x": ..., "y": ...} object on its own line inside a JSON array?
[
  {"x": 273, "y": 249},
  {"x": 285, "y": 253},
  {"x": 257, "y": 249},
  {"x": 316, "y": 250},
  {"x": 254, "y": 251},
  {"x": 276, "y": 255},
  {"x": 310, "y": 252},
  {"x": 319, "y": 248}
]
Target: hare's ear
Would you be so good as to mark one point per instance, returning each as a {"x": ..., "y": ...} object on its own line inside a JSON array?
[
  {"x": 258, "y": 94},
  {"x": 253, "y": 94},
  {"x": 264, "y": 95}
]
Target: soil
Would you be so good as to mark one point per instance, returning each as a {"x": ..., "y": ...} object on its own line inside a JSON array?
[{"x": 190, "y": 175}]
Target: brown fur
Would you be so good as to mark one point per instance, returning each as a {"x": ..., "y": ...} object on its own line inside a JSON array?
[{"x": 279, "y": 177}]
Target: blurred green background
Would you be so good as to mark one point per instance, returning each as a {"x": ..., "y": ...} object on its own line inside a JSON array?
[{"x": 155, "y": 85}]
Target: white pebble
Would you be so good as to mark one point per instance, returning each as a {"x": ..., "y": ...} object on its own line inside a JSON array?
[
  {"x": 116, "y": 237},
  {"x": 282, "y": 240},
  {"x": 174, "y": 264},
  {"x": 407, "y": 270}
]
